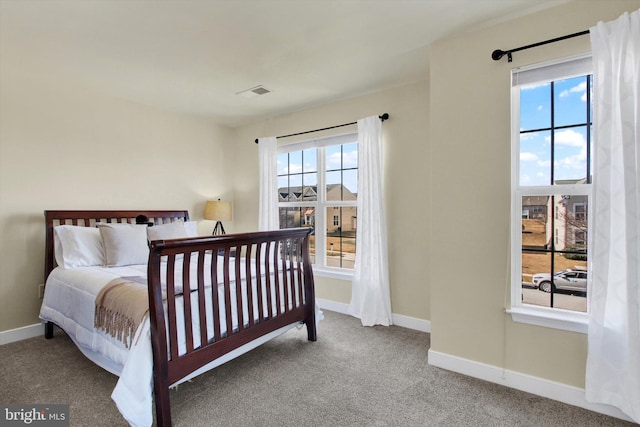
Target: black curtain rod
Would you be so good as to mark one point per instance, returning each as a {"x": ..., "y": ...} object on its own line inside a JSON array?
[
  {"x": 498, "y": 54},
  {"x": 382, "y": 117}
]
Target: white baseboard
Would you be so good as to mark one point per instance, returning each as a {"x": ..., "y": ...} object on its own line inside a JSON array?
[
  {"x": 539, "y": 386},
  {"x": 398, "y": 319},
  {"x": 412, "y": 323},
  {"x": 338, "y": 307},
  {"x": 19, "y": 334},
  {"x": 31, "y": 331}
]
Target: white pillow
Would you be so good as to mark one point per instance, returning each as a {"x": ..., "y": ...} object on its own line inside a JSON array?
[
  {"x": 76, "y": 246},
  {"x": 171, "y": 230},
  {"x": 191, "y": 228},
  {"x": 124, "y": 244}
]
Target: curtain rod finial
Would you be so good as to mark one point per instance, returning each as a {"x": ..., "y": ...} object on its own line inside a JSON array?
[
  {"x": 384, "y": 116},
  {"x": 497, "y": 54},
  {"x": 256, "y": 140}
]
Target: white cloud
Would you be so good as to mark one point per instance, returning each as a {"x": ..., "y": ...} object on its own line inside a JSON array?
[
  {"x": 580, "y": 88},
  {"x": 350, "y": 159},
  {"x": 538, "y": 178},
  {"x": 333, "y": 161},
  {"x": 570, "y": 138},
  {"x": 528, "y": 157},
  {"x": 577, "y": 161},
  {"x": 572, "y": 163},
  {"x": 293, "y": 168}
]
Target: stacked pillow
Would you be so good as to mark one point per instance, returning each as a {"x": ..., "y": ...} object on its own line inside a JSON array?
[
  {"x": 124, "y": 244},
  {"x": 113, "y": 244},
  {"x": 77, "y": 246}
]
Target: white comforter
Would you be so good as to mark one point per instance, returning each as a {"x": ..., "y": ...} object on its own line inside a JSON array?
[{"x": 69, "y": 302}]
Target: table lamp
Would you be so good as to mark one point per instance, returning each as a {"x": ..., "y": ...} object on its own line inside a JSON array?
[{"x": 217, "y": 210}]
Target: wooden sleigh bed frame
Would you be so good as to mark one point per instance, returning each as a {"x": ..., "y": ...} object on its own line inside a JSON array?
[{"x": 264, "y": 250}]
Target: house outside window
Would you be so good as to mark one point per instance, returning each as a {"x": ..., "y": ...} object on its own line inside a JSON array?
[
  {"x": 318, "y": 188},
  {"x": 551, "y": 192}
]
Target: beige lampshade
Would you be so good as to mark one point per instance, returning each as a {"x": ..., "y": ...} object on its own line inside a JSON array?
[{"x": 217, "y": 210}]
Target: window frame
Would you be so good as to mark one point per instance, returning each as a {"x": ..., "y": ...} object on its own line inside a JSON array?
[
  {"x": 321, "y": 205},
  {"x": 551, "y": 317}
]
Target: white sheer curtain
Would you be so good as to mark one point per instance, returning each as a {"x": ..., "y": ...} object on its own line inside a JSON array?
[
  {"x": 370, "y": 295},
  {"x": 613, "y": 361},
  {"x": 268, "y": 205}
]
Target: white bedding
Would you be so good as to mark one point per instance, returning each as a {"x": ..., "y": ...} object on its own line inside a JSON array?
[{"x": 69, "y": 302}]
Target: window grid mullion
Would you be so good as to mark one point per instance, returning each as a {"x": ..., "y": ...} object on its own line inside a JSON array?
[
  {"x": 588, "y": 121},
  {"x": 321, "y": 210}
]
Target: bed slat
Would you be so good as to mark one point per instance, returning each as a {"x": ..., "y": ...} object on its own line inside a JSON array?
[
  {"x": 171, "y": 306},
  {"x": 249, "y": 285},
  {"x": 214, "y": 297},
  {"x": 259, "y": 284},
  {"x": 227, "y": 294},
  {"x": 201, "y": 299},
  {"x": 239, "y": 293},
  {"x": 186, "y": 301}
]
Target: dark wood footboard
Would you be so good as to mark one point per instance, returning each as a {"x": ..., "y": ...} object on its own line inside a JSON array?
[{"x": 276, "y": 290}]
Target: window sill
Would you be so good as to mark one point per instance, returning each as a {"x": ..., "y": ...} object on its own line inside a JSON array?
[
  {"x": 333, "y": 274},
  {"x": 551, "y": 318}
]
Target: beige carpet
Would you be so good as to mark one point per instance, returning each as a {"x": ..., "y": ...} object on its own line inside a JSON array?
[{"x": 352, "y": 376}]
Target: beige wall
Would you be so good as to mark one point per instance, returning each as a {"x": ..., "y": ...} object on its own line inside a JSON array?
[
  {"x": 406, "y": 183},
  {"x": 470, "y": 166},
  {"x": 67, "y": 148}
]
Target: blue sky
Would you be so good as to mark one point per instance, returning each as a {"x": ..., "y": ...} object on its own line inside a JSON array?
[
  {"x": 570, "y": 100},
  {"x": 303, "y": 164}
]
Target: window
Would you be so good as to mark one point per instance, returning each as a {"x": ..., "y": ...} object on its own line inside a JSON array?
[
  {"x": 318, "y": 187},
  {"x": 551, "y": 169},
  {"x": 580, "y": 211}
]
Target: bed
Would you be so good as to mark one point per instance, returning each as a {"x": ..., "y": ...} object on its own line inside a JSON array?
[{"x": 181, "y": 305}]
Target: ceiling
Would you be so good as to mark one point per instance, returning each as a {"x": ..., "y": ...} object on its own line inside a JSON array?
[{"x": 194, "y": 56}]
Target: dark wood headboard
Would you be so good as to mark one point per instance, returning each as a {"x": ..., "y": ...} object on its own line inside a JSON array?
[{"x": 89, "y": 218}]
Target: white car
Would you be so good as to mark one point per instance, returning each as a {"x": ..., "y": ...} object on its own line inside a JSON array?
[{"x": 568, "y": 280}]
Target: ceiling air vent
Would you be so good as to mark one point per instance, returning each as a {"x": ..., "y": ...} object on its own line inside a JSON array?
[{"x": 253, "y": 92}]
